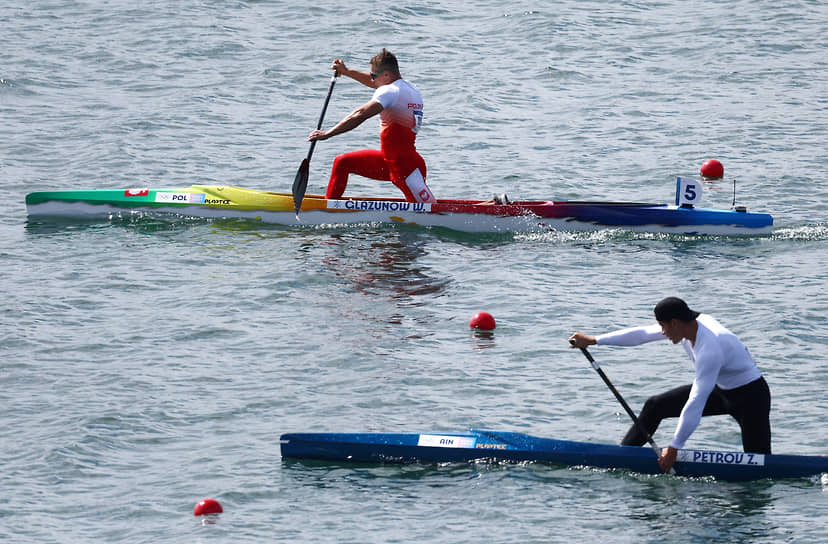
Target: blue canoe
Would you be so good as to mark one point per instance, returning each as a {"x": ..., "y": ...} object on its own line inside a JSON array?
[{"x": 518, "y": 447}]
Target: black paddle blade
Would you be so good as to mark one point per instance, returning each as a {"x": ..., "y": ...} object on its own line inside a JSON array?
[{"x": 300, "y": 184}]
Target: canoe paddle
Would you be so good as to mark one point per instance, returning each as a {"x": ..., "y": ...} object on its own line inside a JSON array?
[
  {"x": 300, "y": 183},
  {"x": 618, "y": 396}
]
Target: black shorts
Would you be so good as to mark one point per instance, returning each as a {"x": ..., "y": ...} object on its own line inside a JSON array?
[{"x": 749, "y": 405}]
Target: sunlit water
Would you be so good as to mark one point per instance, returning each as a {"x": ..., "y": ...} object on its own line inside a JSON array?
[{"x": 151, "y": 362}]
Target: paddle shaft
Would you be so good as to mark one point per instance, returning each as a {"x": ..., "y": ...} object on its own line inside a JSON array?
[
  {"x": 618, "y": 396},
  {"x": 324, "y": 109},
  {"x": 300, "y": 183}
]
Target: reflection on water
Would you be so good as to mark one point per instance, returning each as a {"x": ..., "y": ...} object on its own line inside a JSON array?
[
  {"x": 316, "y": 472},
  {"x": 711, "y": 511},
  {"x": 483, "y": 339},
  {"x": 700, "y": 510},
  {"x": 143, "y": 222},
  {"x": 384, "y": 263}
]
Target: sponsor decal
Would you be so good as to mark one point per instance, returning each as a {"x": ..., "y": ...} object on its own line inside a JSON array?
[
  {"x": 721, "y": 457},
  {"x": 491, "y": 446},
  {"x": 181, "y": 198},
  {"x": 378, "y": 205},
  {"x": 137, "y": 192},
  {"x": 443, "y": 441}
]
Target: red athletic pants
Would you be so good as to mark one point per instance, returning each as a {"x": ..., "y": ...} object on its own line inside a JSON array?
[{"x": 407, "y": 172}]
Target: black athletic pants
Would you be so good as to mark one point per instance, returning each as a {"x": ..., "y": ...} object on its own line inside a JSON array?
[{"x": 749, "y": 405}]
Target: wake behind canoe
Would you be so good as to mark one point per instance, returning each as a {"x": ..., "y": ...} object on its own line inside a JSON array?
[
  {"x": 517, "y": 447},
  {"x": 223, "y": 202}
]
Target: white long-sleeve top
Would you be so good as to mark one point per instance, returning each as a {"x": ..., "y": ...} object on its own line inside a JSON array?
[{"x": 718, "y": 356}]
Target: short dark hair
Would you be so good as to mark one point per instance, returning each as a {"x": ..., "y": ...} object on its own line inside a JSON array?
[
  {"x": 385, "y": 60},
  {"x": 674, "y": 308}
]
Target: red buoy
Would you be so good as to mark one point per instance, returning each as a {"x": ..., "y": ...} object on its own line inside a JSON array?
[
  {"x": 207, "y": 506},
  {"x": 483, "y": 321},
  {"x": 712, "y": 169}
]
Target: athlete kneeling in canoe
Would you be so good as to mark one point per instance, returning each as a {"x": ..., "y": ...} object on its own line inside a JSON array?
[
  {"x": 400, "y": 107},
  {"x": 727, "y": 379}
]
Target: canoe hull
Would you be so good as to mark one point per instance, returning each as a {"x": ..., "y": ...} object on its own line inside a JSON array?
[
  {"x": 517, "y": 447},
  {"x": 220, "y": 202}
]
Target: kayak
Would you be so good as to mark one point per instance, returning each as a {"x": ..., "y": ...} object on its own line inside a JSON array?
[
  {"x": 494, "y": 216},
  {"x": 477, "y": 445}
]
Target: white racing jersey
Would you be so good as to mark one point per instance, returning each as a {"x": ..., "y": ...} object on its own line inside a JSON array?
[
  {"x": 719, "y": 357},
  {"x": 401, "y": 116}
]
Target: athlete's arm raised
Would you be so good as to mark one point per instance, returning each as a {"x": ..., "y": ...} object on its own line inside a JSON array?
[{"x": 363, "y": 77}]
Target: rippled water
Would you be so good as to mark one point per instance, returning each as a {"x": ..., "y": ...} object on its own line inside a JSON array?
[{"x": 149, "y": 363}]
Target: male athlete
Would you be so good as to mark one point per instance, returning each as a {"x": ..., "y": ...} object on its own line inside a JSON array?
[
  {"x": 727, "y": 379},
  {"x": 400, "y": 108}
]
